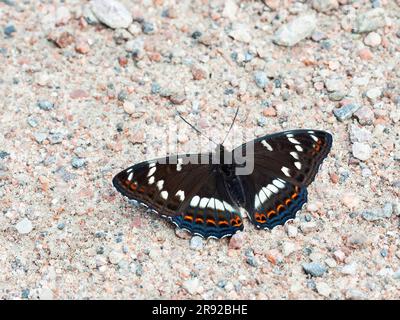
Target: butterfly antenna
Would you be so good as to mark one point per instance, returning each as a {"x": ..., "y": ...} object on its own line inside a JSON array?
[
  {"x": 230, "y": 128},
  {"x": 194, "y": 128}
]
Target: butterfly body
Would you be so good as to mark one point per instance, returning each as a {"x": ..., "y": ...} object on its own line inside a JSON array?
[{"x": 203, "y": 193}]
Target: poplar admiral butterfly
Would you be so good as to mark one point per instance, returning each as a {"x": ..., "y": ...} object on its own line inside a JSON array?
[{"x": 203, "y": 193}]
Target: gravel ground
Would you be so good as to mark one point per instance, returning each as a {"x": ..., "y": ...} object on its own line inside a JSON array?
[{"x": 82, "y": 100}]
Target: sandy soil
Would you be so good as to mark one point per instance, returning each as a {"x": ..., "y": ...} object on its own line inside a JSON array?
[{"x": 81, "y": 101}]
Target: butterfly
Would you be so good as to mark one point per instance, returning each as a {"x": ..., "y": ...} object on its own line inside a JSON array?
[{"x": 205, "y": 195}]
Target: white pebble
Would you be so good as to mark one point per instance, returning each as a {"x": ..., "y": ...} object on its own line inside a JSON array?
[{"x": 24, "y": 226}]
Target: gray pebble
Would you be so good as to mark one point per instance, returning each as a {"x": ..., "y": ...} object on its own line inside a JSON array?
[
  {"x": 39, "y": 137},
  {"x": 45, "y": 105},
  {"x": 262, "y": 121},
  {"x": 61, "y": 225},
  {"x": 370, "y": 20},
  {"x": 196, "y": 243},
  {"x": 147, "y": 28},
  {"x": 155, "y": 88},
  {"x": 252, "y": 261},
  {"x": 3, "y": 154},
  {"x": 346, "y": 111},
  {"x": 261, "y": 79},
  {"x": 314, "y": 268},
  {"x": 78, "y": 162},
  {"x": 378, "y": 213},
  {"x": 32, "y": 122},
  {"x": 9, "y": 30},
  {"x": 56, "y": 137},
  {"x": 25, "y": 293},
  {"x": 122, "y": 96}
]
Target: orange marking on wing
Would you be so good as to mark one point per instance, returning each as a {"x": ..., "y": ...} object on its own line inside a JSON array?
[
  {"x": 199, "y": 220},
  {"x": 236, "y": 222},
  {"x": 260, "y": 217},
  {"x": 141, "y": 189},
  {"x": 271, "y": 213},
  {"x": 294, "y": 195},
  {"x": 223, "y": 222},
  {"x": 279, "y": 207},
  {"x": 188, "y": 218},
  {"x": 212, "y": 221},
  {"x": 287, "y": 201},
  {"x": 133, "y": 186}
]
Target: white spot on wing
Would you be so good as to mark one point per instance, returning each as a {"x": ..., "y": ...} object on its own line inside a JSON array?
[
  {"x": 314, "y": 137},
  {"x": 181, "y": 195},
  {"x": 130, "y": 176},
  {"x": 164, "y": 195},
  {"x": 179, "y": 165},
  {"x": 295, "y": 155},
  {"x": 257, "y": 202},
  {"x": 285, "y": 171},
  {"x": 211, "y": 203},
  {"x": 228, "y": 207},
  {"x": 203, "y": 202},
  {"x": 299, "y": 148},
  {"x": 219, "y": 205},
  {"x": 272, "y": 188},
  {"x": 160, "y": 184},
  {"x": 195, "y": 201},
  {"x": 267, "y": 192},
  {"x": 151, "y": 171},
  {"x": 262, "y": 196},
  {"x": 151, "y": 180},
  {"x": 151, "y": 165},
  {"x": 278, "y": 183},
  {"x": 129, "y": 170},
  {"x": 267, "y": 145},
  {"x": 293, "y": 140},
  {"x": 298, "y": 165}
]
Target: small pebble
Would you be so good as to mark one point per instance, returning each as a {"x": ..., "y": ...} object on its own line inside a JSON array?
[
  {"x": 345, "y": 112},
  {"x": 191, "y": 285},
  {"x": 115, "y": 257},
  {"x": 374, "y": 93},
  {"x": 196, "y": 243},
  {"x": 9, "y": 30},
  {"x": 314, "y": 268},
  {"x": 45, "y": 105},
  {"x": 261, "y": 79},
  {"x": 24, "y": 226},
  {"x": 323, "y": 289},
  {"x": 78, "y": 162},
  {"x": 155, "y": 88},
  {"x": 296, "y": 30},
  {"x": 148, "y": 28},
  {"x": 196, "y": 35},
  {"x": 25, "y": 294},
  {"x": 370, "y": 20},
  {"x": 112, "y": 13},
  {"x": 349, "y": 269},
  {"x": 3, "y": 154},
  {"x": 237, "y": 240},
  {"x": 373, "y": 39},
  {"x": 361, "y": 151}
]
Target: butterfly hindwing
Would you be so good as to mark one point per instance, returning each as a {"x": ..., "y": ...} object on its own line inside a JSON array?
[
  {"x": 210, "y": 211},
  {"x": 284, "y": 165}
]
